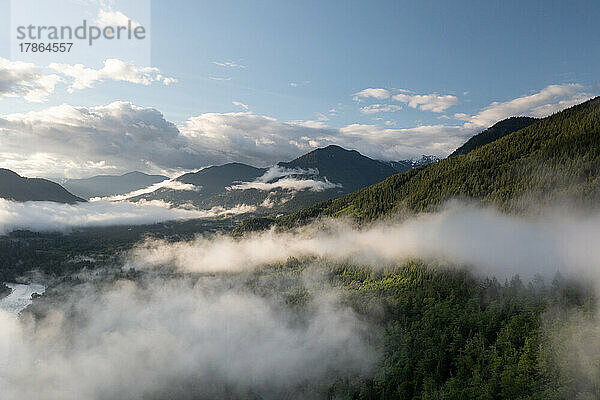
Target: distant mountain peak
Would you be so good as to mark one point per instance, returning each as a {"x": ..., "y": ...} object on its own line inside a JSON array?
[
  {"x": 111, "y": 185},
  {"x": 18, "y": 188}
]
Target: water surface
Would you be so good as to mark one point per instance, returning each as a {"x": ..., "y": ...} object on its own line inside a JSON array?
[{"x": 20, "y": 297}]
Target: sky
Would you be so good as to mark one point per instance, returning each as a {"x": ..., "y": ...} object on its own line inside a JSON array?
[{"x": 266, "y": 81}]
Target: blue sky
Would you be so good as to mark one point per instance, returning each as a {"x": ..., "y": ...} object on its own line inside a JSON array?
[{"x": 437, "y": 65}]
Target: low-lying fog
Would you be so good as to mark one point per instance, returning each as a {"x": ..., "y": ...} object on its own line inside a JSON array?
[
  {"x": 191, "y": 335},
  {"x": 49, "y": 216},
  {"x": 484, "y": 239}
]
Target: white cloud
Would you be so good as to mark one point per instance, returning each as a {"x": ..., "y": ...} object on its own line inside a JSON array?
[
  {"x": 49, "y": 216},
  {"x": 109, "y": 17},
  {"x": 121, "y": 137},
  {"x": 229, "y": 64},
  {"x": 404, "y": 143},
  {"x": 26, "y": 80},
  {"x": 427, "y": 102},
  {"x": 166, "y": 184},
  {"x": 170, "y": 338},
  {"x": 35, "y": 83},
  {"x": 378, "y": 108},
  {"x": 322, "y": 117},
  {"x": 297, "y": 84},
  {"x": 278, "y": 177},
  {"x": 219, "y": 78},
  {"x": 491, "y": 242},
  {"x": 77, "y": 141},
  {"x": 379, "y": 94},
  {"x": 549, "y": 100},
  {"x": 240, "y": 104},
  {"x": 288, "y": 184},
  {"x": 113, "y": 69}
]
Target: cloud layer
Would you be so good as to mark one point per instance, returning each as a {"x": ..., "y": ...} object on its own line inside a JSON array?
[
  {"x": 49, "y": 216},
  {"x": 490, "y": 242},
  {"x": 73, "y": 142}
]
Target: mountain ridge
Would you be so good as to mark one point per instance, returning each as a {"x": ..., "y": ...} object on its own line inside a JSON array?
[
  {"x": 287, "y": 186},
  {"x": 110, "y": 185},
  {"x": 18, "y": 188},
  {"x": 504, "y": 172},
  {"x": 493, "y": 133}
]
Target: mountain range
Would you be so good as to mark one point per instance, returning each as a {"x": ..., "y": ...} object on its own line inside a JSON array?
[
  {"x": 18, "y": 188},
  {"x": 288, "y": 186},
  {"x": 329, "y": 179},
  {"x": 111, "y": 185},
  {"x": 554, "y": 158}
]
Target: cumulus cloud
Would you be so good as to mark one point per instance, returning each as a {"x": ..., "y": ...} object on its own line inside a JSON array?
[
  {"x": 404, "y": 143},
  {"x": 26, "y": 80},
  {"x": 110, "y": 17},
  {"x": 375, "y": 93},
  {"x": 176, "y": 339},
  {"x": 119, "y": 136},
  {"x": 49, "y": 216},
  {"x": 551, "y": 99},
  {"x": 83, "y": 77},
  {"x": 377, "y": 108},
  {"x": 35, "y": 83},
  {"x": 427, "y": 102}
]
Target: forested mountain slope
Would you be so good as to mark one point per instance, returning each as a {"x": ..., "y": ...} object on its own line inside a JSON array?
[
  {"x": 557, "y": 157},
  {"x": 495, "y": 132}
]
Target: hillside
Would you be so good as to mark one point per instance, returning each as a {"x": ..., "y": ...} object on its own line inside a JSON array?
[
  {"x": 110, "y": 185},
  {"x": 557, "y": 157},
  {"x": 495, "y": 132},
  {"x": 18, "y": 188},
  {"x": 287, "y": 187}
]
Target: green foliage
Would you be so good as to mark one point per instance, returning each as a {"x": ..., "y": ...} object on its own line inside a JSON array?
[
  {"x": 451, "y": 336},
  {"x": 59, "y": 254},
  {"x": 495, "y": 132},
  {"x": 557, "y": 157},
  {"x": 448, "y": 335}
]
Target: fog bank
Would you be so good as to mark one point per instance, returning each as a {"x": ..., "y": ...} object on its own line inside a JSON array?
[
  {"x": 491, "y": 242},
  {"x": 50, "y": 216},
  {"x": 174, "y": 339}
]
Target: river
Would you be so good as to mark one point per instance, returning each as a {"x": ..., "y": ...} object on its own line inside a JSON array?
[{"x": 20, "y": 297}]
